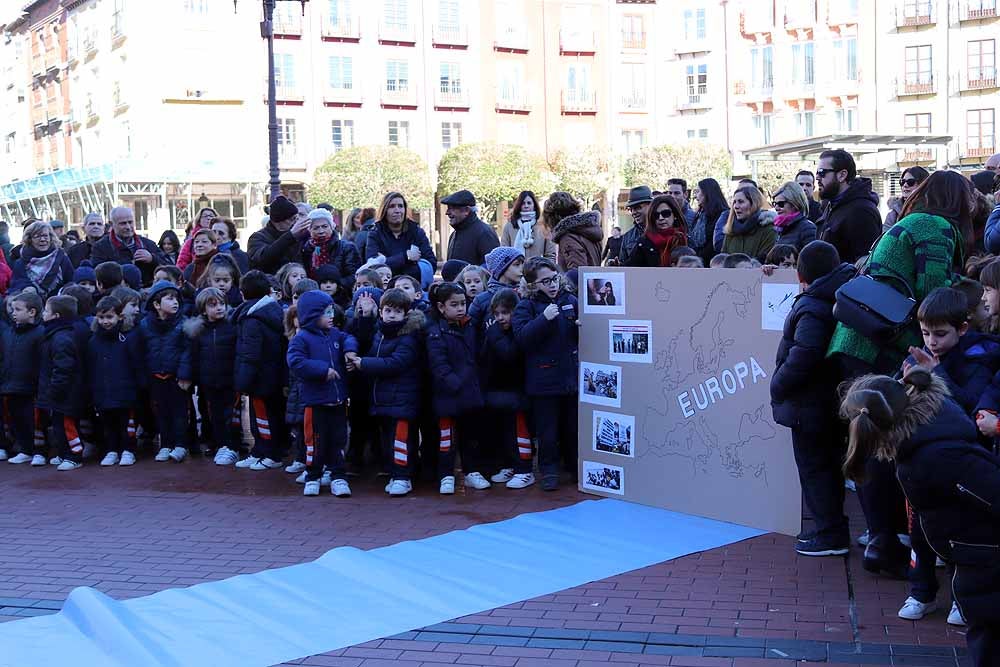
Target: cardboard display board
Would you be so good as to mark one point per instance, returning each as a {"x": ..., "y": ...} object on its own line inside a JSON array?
[{"x": 675, "y": 407}]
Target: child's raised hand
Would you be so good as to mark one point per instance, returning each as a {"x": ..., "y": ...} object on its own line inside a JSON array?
[
  {"x": 923, "y": 358},
  {"x": 987, "y": 423},
  {"x": 366, "y": 304},
  {"x": 768, "y": 269},
  {"x": 551, "y": 312},
  {"x": 332, "y": 374}
]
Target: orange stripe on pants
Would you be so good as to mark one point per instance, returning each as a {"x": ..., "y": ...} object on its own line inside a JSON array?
[
  {"x": 310, "y": 437},
  {"x": 260, "y": 414},
  {"x": 72, "y": 435},
  {"x": 400, "y": 453},
  {"x": 445, "y": 424},
  {"x": 524, "y": 450}
]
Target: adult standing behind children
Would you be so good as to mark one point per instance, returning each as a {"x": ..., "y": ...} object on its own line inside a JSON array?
[
  {"x": 94, "y": 230},
  {"x": 281, "y": 239},
  {"x": 851, "y": 220},
  {"x": 577, "y": 235},
  {"x": 42, "y": 264},
  {"x": 522, "y": 231},
  {"x": 325, "y": 248},
  {"x": 666, "y": 229},
  {"x": 397, "y": 238},
  {"x": 124, "y": 246},
  {"x": 472, "y": 238}
]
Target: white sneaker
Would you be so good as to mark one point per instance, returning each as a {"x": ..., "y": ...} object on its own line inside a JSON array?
[
  {"x": 247, "y": 462},
  {"x": 521, "y": 481},
  {"x": 504, "y": 476},
  {"x": 127, "y": 459},
  {"x": 55, "y": 460},
  {"x": 326, "y": 479},
  {"x": 341, "y": 488},
  {"x": 178, "y": 454},
  {"x": 22, "y": 458},
  {"x": 110, "y": 459},
  {"x": 162, "y": 455},
  {"x": 447, "y": 486},
  {"x": 955, "y": 615},
  {"x": 69, "y": 465},
  {"x": 301, "y": 479},
  {"x": 265, "y": 464},
  {"x": 226, "y": 457},
  {"x": 295, "y": 467},
  {"x": 38, "y": 460},
  {"x": 311, "y": 488},
  {"x": 914, "y": 610},
  {"x": 476, "y": 481},
  {"x": 399, "y": 487},
  {"x": 3, "y": 454}
]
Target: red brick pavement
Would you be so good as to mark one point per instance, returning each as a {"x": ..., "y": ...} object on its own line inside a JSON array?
[{"x": 131, "y": 532}]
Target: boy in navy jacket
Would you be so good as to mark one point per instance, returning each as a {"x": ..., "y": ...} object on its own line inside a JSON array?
[
  {"x": 393, "y": 365},
  {"x": 160, "y": 343},
  {"x": 260, "y": 371},
  {"x": 505, "y": 266},
  {"x": 545, "y": 328},
  {"x": 803, "y": 389},
  {"x": 20, "y": 342},
  {"x": 502, "y": 366},
  {"x": 316, "y": 358},
  {"x": 111, "y": 375},
  {"x": 60, "y": 379},
  {"x": 209, "y": 364}
]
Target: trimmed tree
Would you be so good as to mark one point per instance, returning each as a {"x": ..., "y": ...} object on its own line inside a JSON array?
[
  {"x": 770, "y": 175},
  {"x": 494, "y": 173},
  {"x": 360, "y": 177},
  {"x": 692, "y": 161},
  {"x": 585, "y": 171}
]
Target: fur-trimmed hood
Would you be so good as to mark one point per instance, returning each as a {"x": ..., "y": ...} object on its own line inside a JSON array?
[
  {"x": 414, "y": 323},
  {"x": 125, "y": 324},
  {"x": 195, "y": 326},
  {"x": 922, "y": 409},
  {"x": 586, "y": 224}
]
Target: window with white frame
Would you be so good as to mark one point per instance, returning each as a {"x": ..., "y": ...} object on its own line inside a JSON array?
[
  {"x": 340, "y": 13},
  {"x": 846, "y": 120},
  {"x": 696, "y": 80},
  {"x": 805, "y": 123},
  {"x": 762, "y": 124},
  {"x": 980, "y": 128},
  {"x": 286, "y": 137},
  {"x": 451, "y": 79},
  {"x": 397, "y": 76},
  {"x": 341, "y": 72},
  {"x": 284, "y": 70},
  {"x": 449, "y": 15},
  {"x": 633, "y": 85},
  {"x": 845, "y": 59},
  {"x": 510, "y": 81},
  {"x": 694, "y": 24},
  {"x": 633, "y": 141},
  {"x": 762, "y": 68},
  {"x": 197, "y": 7},
  {"x": 578, "y": 83},
  {"x": 981, "y": 60},
  {"x": 396, "y": 14},
  {"x": 341, "y": 134},
  {"x": 917, "y": 123},
  {"x": 633, "y": 31},
  {"x": 803, "y": 64},
  {"x": 918, "y": 65},
  {"x": 451, "y": 135},
  {"x": 399, "y": 133}
]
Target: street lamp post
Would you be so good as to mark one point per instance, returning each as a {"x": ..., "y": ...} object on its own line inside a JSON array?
[{"x": 267, "y": 32}]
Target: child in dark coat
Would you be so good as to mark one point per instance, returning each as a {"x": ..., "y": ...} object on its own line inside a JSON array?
[
  {"x": 393, "y": 364},
  {"x": 20, "y": 341},
  {"x": 802, "y": 388},
  {"x": 294, "y": 410},
  {"x": 60, "y": 379},
  {"x": 362, "y": 323},
  {"x": 457, "y": 398},
  {"x": 210, "y": 364},
  {"x": 502, "y": 365},
  {"x": 545, "y": 328},
  {"x": 505, "y": 266},
  {"x": 316, "y": 356},
  {"x": 260, "y": 371},
  {"x": 161, "y": 343},
  {"x": 114, "y": 385}
]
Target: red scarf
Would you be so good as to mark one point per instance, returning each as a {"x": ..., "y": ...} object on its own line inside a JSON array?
[
  {"x": 200, "y": 264},
  {"x": 320, "y": 254},
  {"x": 665, "y": 240}
]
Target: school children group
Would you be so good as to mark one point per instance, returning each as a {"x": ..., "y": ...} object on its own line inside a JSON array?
[{"x": 482, "y": 365}]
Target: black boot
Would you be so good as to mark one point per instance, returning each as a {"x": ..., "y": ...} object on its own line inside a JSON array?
[{"x": 885, "y": 554}]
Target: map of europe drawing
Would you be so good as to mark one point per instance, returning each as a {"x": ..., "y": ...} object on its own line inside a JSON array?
[{"x": 698, "y": 367}]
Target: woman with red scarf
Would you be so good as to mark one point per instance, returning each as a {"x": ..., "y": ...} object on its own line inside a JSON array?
[
  {"x": 666, "y": 229},
  {"x": 204, "y": 246},
  {"x": 325, "y": 247}
]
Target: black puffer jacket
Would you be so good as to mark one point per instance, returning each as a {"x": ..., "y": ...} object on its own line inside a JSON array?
[
  {"x": 394, "y": 365},
  {"x": 212, "y": 357},
  {"x": 61, "y": 378},
  {"x": 804, "y": 383},
  {"x": 270, "y": 249},
  {"x": 851, "y": 222},
  {"x": 471, "y": 240},
  {"x": 259, "y": 368},
  {"x": 502, "y": 364},
  {"x": 20, "y": 345},
  {"x": 342, "y": 255},
  {"x": 953, "y": 485}
]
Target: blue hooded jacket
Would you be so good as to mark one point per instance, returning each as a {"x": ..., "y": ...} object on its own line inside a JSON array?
[{"x": 314, "y": 351}]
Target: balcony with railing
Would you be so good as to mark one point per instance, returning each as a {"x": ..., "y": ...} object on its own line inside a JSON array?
[
  {"x": 914, "y": 85},
  {"x": 451, "y": 99},
  {"x": 573, "y": 42},
  {"x": 633, "y": 40},
  {"x": 692, "y": 44},
  {"x": 513, "y": 103},
  {"x": 802, "y": 89},
  {"x": 633, "y": 101},
  {"x": 978, "y": 10},
  {"x": 450, "y": 37},
  {"x": 342, "y": 97},
  {"x": 341, "y": 29},
  {"x": 695, "y": 100},
  {"x": 915, "y": 155},
  {"x": 511, "y": 40},
  {"x": 396, "y": 95},
  {"x": 578, "y": 103},
  {"x": 910, "y": 14},
  {"x": 286, "y": 93},
  {"x": 979, "y": 147},
  {"x": 288, "y": 154},
  {"x": 978, "y": 79},
  {"x": 119, "y": 101},
  {"x": 288, "y": 24},
  {"x": 395, "y": 34},
  {"x": 90, "y": 109},
  {"x": 89, "y": 48}
]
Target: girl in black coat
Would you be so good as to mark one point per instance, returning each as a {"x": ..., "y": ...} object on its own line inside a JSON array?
[{"x": 951, "y": 482}]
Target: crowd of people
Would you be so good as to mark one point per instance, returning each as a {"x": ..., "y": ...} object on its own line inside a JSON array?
[{"x": 344, "y": 348}]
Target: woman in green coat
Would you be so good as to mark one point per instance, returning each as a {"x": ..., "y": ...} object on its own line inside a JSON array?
[{"x": 750, "y": 228}]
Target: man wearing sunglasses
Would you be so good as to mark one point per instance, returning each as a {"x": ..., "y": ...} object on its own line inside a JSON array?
[
  {"x": 851, "y": 219},
  {"x": 639, "y": 199}
]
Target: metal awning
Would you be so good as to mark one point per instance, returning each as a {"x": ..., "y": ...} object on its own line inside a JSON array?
[{"x": 856, "y": 144}]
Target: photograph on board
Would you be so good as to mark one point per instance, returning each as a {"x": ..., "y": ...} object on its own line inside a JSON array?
[
  {"x": 605, "y": 293},
  {"x": 631, "y": 340},
  {"x": 601, "y": 384},
  {"x": 603, "y": 477},
  {"x": 614, "y": 434}
]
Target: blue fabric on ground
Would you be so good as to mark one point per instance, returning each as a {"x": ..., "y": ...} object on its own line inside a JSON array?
[{"x": 349, "y": 596}]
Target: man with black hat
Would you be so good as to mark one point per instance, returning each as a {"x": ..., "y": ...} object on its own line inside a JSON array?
[
  {"x": 280, "y": 242},
  {"x": 472, "y": 237},
  {"x": 639, "y": 199}
]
